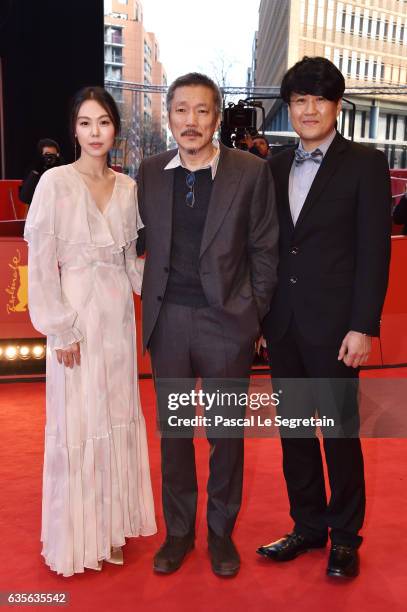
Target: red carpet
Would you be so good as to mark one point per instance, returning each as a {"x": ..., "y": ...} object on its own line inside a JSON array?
[{"x": 296, "y": 586}]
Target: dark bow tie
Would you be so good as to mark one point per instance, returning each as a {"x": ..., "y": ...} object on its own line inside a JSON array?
[{"x": 302, "y": 156}]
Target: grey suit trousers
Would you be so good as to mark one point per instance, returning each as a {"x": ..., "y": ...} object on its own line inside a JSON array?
[{"x": 190, "y": 343}]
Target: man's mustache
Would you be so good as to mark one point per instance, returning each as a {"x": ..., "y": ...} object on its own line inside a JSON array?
[{"x": 191, "y": 133}]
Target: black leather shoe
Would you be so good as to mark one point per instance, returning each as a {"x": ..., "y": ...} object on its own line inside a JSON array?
[
  {"x": 289, "y": 547},
  {"x": 343, "y": 562},
  {"x": 170, "y": 556},
  {"x": 225, "y": 559}
]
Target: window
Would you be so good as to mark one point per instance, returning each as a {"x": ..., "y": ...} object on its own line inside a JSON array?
[
  {"x": 117, "y": 94},
  {"x": 330, "y": 15},
  {"x": 349, "y": 65},
  {"x": 113, "y": 73},
  {"x": 114, "y": 35},
  {"x": 147, "y": 49},
  {"x": 117, "y": 55},
  {"x": 302, "y": 12},
  {"x": 382, "y": 72},
  {"x": 363, "y": 124},
  {"x": 311, "y": 12},
  {"x": 394, "y": 133},
  {"x": 388, "y": 123},
  {"x": 320, "y": 13},
  {"x": 147, "y": 67},
  {"x": 361, "y": 25}
]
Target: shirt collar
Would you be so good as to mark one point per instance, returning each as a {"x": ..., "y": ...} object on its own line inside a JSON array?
[
  {"x": 324, "y": 146},
  {"x": 176, "y": 161}
]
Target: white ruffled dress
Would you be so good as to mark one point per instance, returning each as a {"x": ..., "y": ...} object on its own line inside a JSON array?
[{"x": 82, "y": 267}]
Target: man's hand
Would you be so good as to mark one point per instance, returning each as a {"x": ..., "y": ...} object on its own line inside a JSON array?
[
  {"x": 70, "y": 355},
  {"x": 355, "y": 349}
]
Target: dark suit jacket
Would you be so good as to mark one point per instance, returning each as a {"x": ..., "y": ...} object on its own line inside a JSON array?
[
  {"x": 238, "y": 256},
  {"x": 333, "y": 266}
]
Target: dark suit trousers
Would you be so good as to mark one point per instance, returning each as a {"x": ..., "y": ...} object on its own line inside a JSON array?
[
  {"x": 294, "y": 357},
  {"x": 188, "y": 343}
]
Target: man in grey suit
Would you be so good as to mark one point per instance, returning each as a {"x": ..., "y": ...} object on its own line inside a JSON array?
[{"x": 211, "y": 256}]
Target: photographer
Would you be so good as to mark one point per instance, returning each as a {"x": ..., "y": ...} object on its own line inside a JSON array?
[
  {"x": 48, "y": 156},
  {"x": 262, "y": 145},
  {"x": 253, "y": 142}
]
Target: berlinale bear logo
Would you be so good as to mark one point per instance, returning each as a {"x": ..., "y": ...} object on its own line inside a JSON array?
[{"x": 18, "y": 287}]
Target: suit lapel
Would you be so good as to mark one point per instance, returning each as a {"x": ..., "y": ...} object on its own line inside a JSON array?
[
  {"x": 223, "y": 191},
  {"x": 284, "y": 173},
  {"x": 164, "y": 198},
  {"x": 329, "y": 166}
]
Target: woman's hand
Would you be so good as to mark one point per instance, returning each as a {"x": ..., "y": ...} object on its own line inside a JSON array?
[{"x": 70, "y": 355}]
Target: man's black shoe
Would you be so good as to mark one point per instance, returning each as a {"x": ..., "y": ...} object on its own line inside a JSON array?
[
  {"x": 170, "y": 556},
  {"x": 343, "y": 562},
  {"x": 289, "y": 547},
  {"x": 225, "y": 559}
]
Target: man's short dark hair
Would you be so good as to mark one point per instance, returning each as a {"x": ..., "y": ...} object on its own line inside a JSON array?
[
  {"x": 195, "y": 78},
  {"x": 47, "y": 142},
  {"x": 261, "y": 137},
  {"x": 315, "y": 76}
]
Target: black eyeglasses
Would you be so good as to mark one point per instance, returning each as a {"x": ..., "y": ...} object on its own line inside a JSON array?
[{"x": 190, "y": 197}]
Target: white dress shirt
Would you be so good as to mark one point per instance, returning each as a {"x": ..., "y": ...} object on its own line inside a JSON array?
[{"x": 302, "y": 177}]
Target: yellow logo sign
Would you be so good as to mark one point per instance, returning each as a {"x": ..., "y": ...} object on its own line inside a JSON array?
[{"x": 18, "y": 287}]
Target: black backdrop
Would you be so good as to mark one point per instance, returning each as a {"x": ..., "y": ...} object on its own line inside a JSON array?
[{"x": 48, "y": 50}]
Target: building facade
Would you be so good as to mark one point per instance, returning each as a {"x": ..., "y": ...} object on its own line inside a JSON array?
[
  {"x": 132, "y": 55},
  {"x": 365, "y": 39}
]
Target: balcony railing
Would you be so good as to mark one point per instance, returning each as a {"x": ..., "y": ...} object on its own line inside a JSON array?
[
  {"x": 114, "y": 39},
  {"x": 114, "y": 61}
]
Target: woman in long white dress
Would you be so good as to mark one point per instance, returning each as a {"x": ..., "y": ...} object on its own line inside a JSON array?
[{"x": 81, "y": 230}]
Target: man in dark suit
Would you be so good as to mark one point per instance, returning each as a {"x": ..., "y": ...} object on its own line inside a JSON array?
[
  {"x": 211, "y": 257},
  {"x": 333, "y": 199}
]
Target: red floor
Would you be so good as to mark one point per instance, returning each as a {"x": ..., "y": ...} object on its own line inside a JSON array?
[{"x": 297, "y": 586}]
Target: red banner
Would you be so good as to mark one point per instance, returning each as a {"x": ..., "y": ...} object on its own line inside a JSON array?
[{"x": 14, "y": 317}]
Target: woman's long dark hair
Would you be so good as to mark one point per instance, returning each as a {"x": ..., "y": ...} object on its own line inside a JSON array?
[{"x": 102, "y": 97}]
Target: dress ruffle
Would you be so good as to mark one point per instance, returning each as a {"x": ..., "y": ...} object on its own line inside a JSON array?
[
  {"x": 64, "y": 340},
  {"x": 63, "y": 207},
  {"x": 105, "y": 496}
]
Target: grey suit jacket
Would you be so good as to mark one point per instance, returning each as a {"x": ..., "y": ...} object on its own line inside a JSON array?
[{"x": 238, "y": 255}]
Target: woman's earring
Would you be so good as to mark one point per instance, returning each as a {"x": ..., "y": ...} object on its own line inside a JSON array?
[{"x": 75, "y": 148}]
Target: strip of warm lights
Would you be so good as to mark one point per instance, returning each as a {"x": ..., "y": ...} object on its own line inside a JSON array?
[{"x": 13, "y": 352}]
